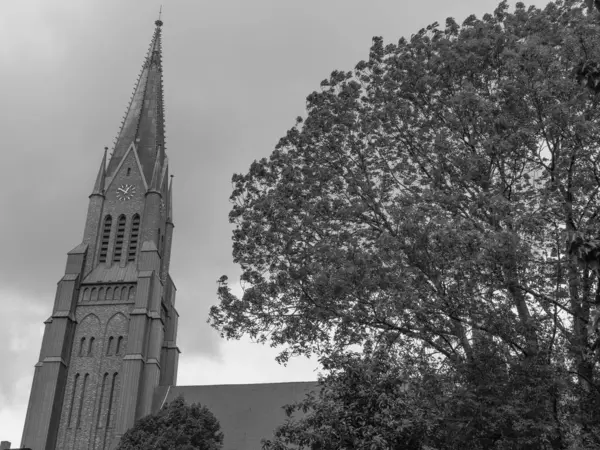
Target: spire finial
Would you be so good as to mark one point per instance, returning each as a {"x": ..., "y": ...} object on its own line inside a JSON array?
[{"x": 159, "y": 22}]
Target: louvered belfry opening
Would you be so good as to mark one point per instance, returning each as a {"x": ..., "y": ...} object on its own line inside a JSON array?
[
  {"x": 120, "y": 239},
  {"x": 133, "y": 238},
  {"x": 105, "y": 238}
]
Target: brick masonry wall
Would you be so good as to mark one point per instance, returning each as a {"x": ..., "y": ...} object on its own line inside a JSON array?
[
  {"x": 84, "y": 416},
  {"x": 93, "y": 382}
]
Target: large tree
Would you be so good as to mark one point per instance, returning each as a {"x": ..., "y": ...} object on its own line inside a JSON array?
[
  {"x": 442, "y": 198},
  {"x": 177, "y": 426}
]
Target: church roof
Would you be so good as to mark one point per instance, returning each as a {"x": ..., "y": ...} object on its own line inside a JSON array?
[
  {"x": 144, "y": 123},
  {"x": 247, "y": 412}
]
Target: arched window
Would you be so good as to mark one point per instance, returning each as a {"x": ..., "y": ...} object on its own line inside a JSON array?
[
  {"x": 91, "y": 346},
  {"x": 131, "y": 293},
  {"x": 83, "y": 389},
  {"x": 94, "y": 294},
  {"x": 105, "y": 238},
  {"x": 109, "y": 293},
  {"x": 120, "y": 238},
  {"x": 128, "y": 171},
  {"x": 101, "y": 294},
  {"x": 119, "y": 345},
  {"x": 109, "y": 345},
  {"x": 86, "y": 295},
  {"x": 133, "y": 238},
  {"x": 81, "y": 346},
  {"x": 72, "y": 400}
]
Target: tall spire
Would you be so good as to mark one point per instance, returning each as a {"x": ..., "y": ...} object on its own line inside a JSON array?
[
  {"x": 143, "y": 124},
  {"x": 101, "y": 177}
]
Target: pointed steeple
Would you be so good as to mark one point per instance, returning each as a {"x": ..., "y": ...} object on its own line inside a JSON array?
[
  {"x": 144, "y": 123},
  {"x": 101, "y": 177}
]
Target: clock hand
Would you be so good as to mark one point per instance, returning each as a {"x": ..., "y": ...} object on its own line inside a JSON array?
[{"x": 120, "y": 189}]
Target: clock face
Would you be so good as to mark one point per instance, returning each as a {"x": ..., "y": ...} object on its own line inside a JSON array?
[{"x": 125, "y": 192}]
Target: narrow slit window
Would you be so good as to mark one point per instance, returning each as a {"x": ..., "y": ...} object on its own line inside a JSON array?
[
  {"x": 105, "y": 238},
  {"x": 82, "y": 346},
  {"x": 101, "y": 403},
  {"x": 109, "y": 412},
  {"x": 72, "y": 400},
  {"x": 133, "y": 238},
  {"x": 120, "y": 239},
  {"x": 109, "y": 345},
  {"x": 81, "y": 399},
  {"x": 119, "y": 345},
  {"x": 91, "y": 347}
]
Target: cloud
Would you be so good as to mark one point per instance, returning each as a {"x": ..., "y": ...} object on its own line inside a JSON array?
[
  {"x": 21, "y": 337},
  {"x": 37, "y": 31}
]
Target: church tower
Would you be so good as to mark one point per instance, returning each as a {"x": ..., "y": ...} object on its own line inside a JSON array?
[{"x": 111, "y": 339}]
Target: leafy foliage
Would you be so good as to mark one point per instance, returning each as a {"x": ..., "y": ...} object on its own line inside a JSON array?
[
  {"x": 376, "y": 400},
  {"x": 365, "y": 402},
  {"x": 441, "y": 200},
  {"x": 176, "y": 426}
]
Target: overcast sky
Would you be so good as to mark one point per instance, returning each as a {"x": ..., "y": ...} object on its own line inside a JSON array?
[{"x": 236, "y": 75}]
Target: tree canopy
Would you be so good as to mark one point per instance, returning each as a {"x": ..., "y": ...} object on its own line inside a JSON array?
[
  {"x": 440, "y": 201},
  {"x": 176, "y": 426}
]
